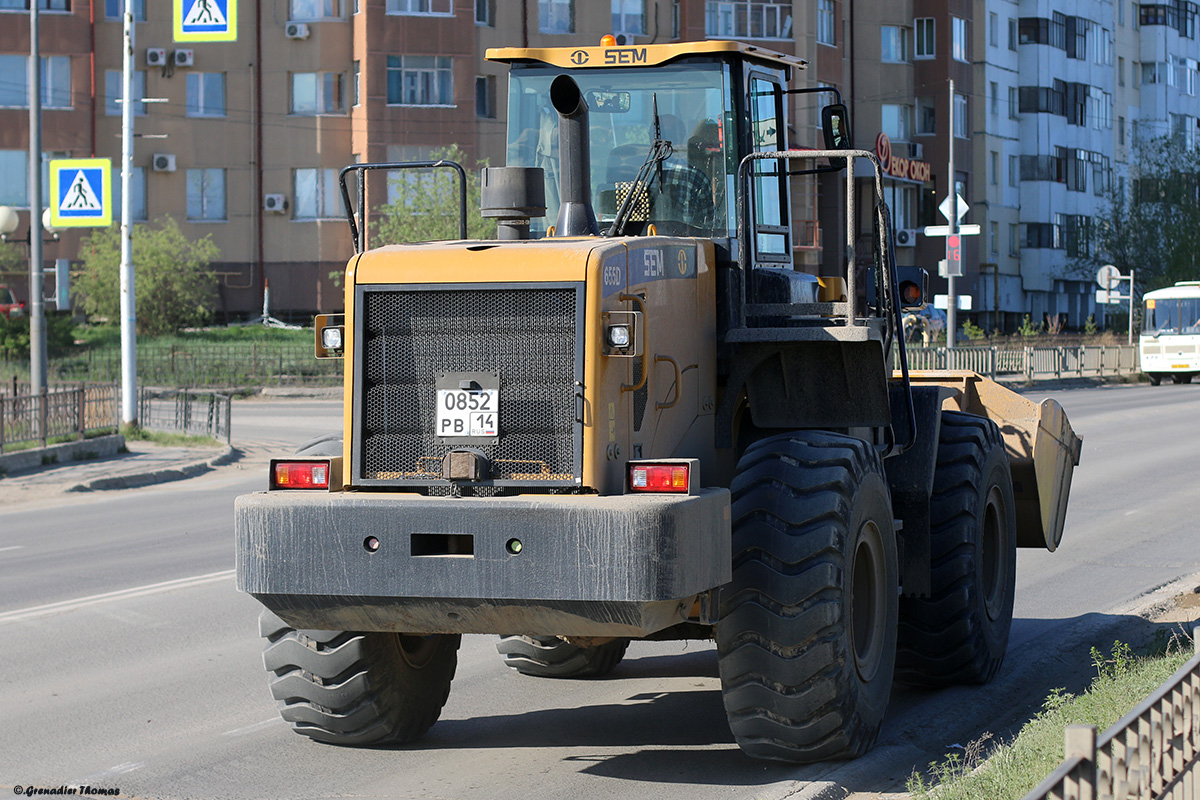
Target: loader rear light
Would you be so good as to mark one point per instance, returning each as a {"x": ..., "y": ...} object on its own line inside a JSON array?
[
  {"x": 659, "y": 478},
  {"x": 300, "y": 475}
]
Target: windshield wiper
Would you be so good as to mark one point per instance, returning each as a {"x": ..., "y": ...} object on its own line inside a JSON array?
[{"x": 660, "y": 151}]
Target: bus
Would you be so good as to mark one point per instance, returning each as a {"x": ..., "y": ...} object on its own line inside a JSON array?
[{"x": 1169, "y": 345}]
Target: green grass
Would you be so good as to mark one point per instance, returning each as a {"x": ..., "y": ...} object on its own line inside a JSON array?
[
  {"x": 169, "y": 439},
  {"x": 109, "y": 336},
  {"x": 985, "y": 770}
]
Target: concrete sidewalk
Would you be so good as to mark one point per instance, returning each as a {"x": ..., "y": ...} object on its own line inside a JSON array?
[{"x": 145, "y": 463}]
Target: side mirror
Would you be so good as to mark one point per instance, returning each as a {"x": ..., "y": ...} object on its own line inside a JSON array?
[{"x": 835, "y": 125}]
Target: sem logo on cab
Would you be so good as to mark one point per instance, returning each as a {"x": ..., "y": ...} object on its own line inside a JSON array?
[
  {"x": 579, "y": 57},
  {"x": 625, "y": 55}
]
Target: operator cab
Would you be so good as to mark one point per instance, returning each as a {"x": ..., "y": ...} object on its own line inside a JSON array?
[{"x": 711, "y": 101}]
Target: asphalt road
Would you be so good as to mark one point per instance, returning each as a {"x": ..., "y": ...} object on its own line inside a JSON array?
[{"x": 131, "y": 663}]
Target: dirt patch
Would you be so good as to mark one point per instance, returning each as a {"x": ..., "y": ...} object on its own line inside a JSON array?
[{"x": 1182, "y": 608}]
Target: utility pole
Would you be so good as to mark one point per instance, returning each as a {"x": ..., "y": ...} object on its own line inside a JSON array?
[
  {"x": 37, "y": 302},
  {"x": 952, "y": 238},
  {"x": 129, "y": 403}
]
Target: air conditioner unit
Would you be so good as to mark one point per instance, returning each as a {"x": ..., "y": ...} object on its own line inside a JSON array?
[
  {"x": 916, "y": 150},
  {"x": 156, "y": 57},
  {"x": 185, "y": 58},
  {"x": 275, "y": 203},
  {"x": 906, "y": 237},
  {"x": 296, "y": 30},
  {"x": 163, "y": 162}
]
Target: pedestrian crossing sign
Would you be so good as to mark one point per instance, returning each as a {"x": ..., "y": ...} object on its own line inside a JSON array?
[
  {"x": 80, "y": 192},
  {"x": 205, "y": 20}
]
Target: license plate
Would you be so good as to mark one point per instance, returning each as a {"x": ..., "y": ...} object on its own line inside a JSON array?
[{"x": 467, "y": 412}]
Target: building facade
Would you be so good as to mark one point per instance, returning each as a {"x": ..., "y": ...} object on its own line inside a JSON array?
[{"x": 244, "y": 140}]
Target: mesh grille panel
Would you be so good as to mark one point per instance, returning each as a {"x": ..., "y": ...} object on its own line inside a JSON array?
[{"x": 527, "y": 335}]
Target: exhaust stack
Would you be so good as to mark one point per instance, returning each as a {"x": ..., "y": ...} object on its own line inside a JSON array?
[{"x": 575, "y": 214}]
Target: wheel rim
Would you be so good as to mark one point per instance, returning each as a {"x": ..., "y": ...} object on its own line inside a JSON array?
[
  {"x": 417, "y": 651},
  {"x": 867, "y": 601},
  {"x": 993, "y": 557}
]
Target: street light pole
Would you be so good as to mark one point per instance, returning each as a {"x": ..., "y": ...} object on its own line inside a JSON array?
[
  {"x": 128, "y": 300},
  {"x": 951, "y": 298},
  {"x": 37, "y": 308}
]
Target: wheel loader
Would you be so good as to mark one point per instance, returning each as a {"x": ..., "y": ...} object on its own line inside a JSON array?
[{"x": 634, "y": 416}]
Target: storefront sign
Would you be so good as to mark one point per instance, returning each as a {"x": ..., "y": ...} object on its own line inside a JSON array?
[{"x": 908, "y": 168}]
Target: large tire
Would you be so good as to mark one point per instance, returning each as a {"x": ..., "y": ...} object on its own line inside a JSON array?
[
  {"x": 327, "y": 444},
  {"x": 350, "y": 688},
  {"x": 806, "y": 637},
  {"x": 960, "y": 632},
  {"x": 1155, "y": 380},
  {"x": 551, "y": 657}
]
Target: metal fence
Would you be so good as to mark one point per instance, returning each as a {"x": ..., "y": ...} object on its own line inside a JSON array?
[
  {"x": 1030, "y": 363},
  {"x": 214, "y": 366},
  {"x": 1151, "y": 753},
  {"x": 63, "y": 412},
  {"x": 187, "y": 411}
]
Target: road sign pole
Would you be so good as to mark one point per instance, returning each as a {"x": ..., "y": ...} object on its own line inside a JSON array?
[
  {"x": 128, "y": 298},
  {"x": 951, "y": 299},
  {"x": 37, "y": 303}
]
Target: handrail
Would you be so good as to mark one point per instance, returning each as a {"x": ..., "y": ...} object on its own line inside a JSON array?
[{"x": 358, "y": 232}]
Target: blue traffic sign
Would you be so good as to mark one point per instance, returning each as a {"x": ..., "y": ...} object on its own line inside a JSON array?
[
  {"x": 205, "y": 20},
  {"x": 80, "y": 192}
]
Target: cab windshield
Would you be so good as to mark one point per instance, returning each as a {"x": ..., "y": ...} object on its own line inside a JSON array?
[
  {"x": 1171, "y": 315},
  {"x": 696, "y": 193}
]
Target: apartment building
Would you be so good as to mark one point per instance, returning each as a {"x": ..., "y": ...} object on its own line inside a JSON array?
[{"x": 244, "y": 140}]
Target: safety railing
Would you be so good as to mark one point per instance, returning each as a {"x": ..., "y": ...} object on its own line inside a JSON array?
[
  {"x": 1030, "y": 363},
  {"x": 71, "y": 412},
  {"x": 1151, "y": 753},
  {"x": 188, "y": 411}
]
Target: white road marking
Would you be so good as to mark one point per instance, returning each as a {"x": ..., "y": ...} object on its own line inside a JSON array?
[
  {"x": 111, "y": 772},
  {"x": 23, "y": 614},
  {"x": 13, "y": 547},
  {"x": 258, "y": 726}
]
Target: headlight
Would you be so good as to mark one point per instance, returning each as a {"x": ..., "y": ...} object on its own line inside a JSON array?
[
  {"x": 618, "y": 336},
  {"x": 331, "y": 338}
]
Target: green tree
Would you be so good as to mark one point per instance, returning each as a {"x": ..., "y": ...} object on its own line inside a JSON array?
[
  {"x": 173, "y": 285},
  {"x": 13, "y": 259},
  {"x": 1152, "y": 227},
  {"x": 425, "y": 204}
]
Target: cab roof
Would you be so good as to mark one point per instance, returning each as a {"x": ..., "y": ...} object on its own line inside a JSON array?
[{"x": 639, "y": 55}]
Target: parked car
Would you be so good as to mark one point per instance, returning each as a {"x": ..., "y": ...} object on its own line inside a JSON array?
[{"x": 9, "y": 306}]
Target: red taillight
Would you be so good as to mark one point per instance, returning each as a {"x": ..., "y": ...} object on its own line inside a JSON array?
[
  {"x": 658, "y": 478},
  {"x": 300, "y": 475}
]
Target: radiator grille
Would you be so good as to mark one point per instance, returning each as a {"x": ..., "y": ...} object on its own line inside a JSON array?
[{"x": 528, "y": 335}]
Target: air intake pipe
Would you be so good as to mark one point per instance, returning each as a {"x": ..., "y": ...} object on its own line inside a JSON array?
[{"x": 575, "y": 214}]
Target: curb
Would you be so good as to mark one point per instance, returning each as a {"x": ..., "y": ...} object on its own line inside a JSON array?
[
  {"x": 65, "y": 453},
  {"x": 188, "y": 470}
]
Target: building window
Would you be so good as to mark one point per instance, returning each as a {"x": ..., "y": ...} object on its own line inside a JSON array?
[
  {"x": 1120, "y": 130},
  {"x": 924, "y": 29},
  {"x": 926, "y": 118},
  {"x": 14, "y": 81},
  {"x": 994, "y": 237},
  {"x": 995, "y": 98},
  {"x": 993, "y": 29},
  {"x": 432, "y": 8},
  {"x": 1014, "y": 239},
  {"x": 825, "y": 23},
  {"x": 314, "y": 10},
  {"x": 316, "y": 93},
  {"x": 1014, "y": 103},
  {"x": 961, "y": 123},
  {"x": 485, "y": 12},
  {"x": 893, "y": 43},
  {"x": 113, "y": 9},
  {"x": 14, "y": 178},
  {"x": 1014, "y": 171},
  {"x": 894, "y": 121},
  {"x": 1012, "y": 34},
  {"x": 113, "y": 88},
  {"x": 44, "y": 5},
  {"x": 137, "y": 194},
  {"x": 994, "y": 177},
  {"x": 357, "y": 88},
  {"x": 959, "y": 47},
  {"x": 420, "y": 81},
  {"x": 206, "y": 94},
  {"x": 1120, "y": 70},
  {"x": 206, "y": 195},
  {"x": 556, "y": 16},
  {"x": 751, "y": 19},
  {"x": 316, "y": 193},
  {"x": 1156, "y": 72},
  {"x": 629, "y": 17},
  {"x": 485, "y": 96}
]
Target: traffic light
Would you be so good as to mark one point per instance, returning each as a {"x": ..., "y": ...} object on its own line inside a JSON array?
[{"x": 954, "y": 256}]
